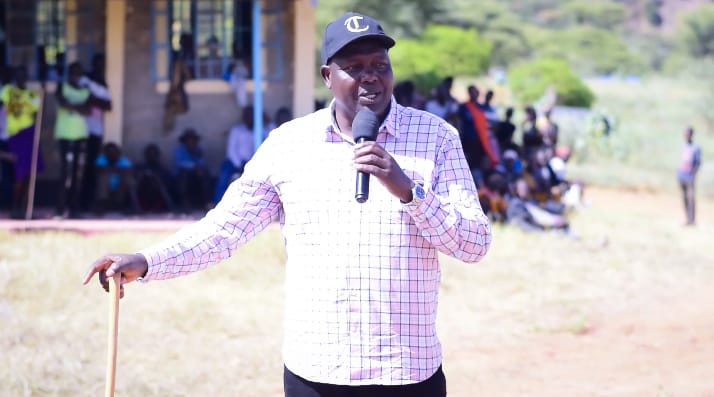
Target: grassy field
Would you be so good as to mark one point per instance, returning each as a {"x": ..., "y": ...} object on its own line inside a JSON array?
[
  {"x": 651, "y": 115},
  {"x": 645, "y": 148},
  {"x": 624, "y": 311}
]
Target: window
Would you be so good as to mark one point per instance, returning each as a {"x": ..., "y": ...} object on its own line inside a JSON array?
[
  {"x": 210, "y": 35},
  {"x": 46, "y": 35}
]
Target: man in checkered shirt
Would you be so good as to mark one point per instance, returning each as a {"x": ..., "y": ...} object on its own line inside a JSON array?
[{"x": 362, "y": 279}]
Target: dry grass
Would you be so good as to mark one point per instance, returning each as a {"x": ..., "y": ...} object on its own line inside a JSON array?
[{"x": 217, "y": 333}]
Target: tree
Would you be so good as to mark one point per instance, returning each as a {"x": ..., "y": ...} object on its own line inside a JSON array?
[
  {"x": 588, "y": 50},
  {"x": 696, "y": 31},
  {"x": 601, "y": 14},
  {"x": 494, "y": 21},
  {"x": 652, "y": 12},
  {"x": 530, "y": 81},
  {"x": 410, "y": 20},
  {"x": 439, "y": 52}
]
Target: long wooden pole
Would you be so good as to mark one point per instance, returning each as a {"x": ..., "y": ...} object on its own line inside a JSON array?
[
  {"x": 35, "y": 156},
  {"x": 112, "y": 335}
]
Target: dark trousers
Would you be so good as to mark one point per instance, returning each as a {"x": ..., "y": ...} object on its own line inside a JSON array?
[
  {"x": 295, "y": 386},
  {"x": 72, "y": 154},
  {"x": 89, "y": 182},
  {"x": 7, "y": 179},
  {"x": 193, "y": 187},
  {"x": 688, "y": 196}
]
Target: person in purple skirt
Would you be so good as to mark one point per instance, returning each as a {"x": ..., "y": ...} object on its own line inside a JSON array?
[{"x": 21, "y": 104}]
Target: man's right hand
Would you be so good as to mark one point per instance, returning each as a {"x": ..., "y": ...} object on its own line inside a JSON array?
[{"x": 129, "y": 266}]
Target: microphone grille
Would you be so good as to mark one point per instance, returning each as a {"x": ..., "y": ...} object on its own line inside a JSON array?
[{"x": 365, "y": 125}]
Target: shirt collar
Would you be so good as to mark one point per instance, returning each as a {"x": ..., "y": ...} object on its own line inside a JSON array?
[{"x": 389, "y": 124}]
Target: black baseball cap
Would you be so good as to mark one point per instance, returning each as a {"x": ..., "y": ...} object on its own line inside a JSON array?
[{"x": 349, "y": 28}]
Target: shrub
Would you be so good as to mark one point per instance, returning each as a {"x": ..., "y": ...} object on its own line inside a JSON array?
[
  {"x": 438, "y": 52},
  {"x": 530, "y": 80},
  {"x": 696, "y": 32},
  {"x": 589, "y": 50}
]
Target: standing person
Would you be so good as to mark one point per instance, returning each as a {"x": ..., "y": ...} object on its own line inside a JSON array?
[
  {"x": 687, "y": 172},
  {"x": 476, "y": 136},
  {"x": 7, "y": 166},
  {"x": 504, "y": 130},
  {"x": 239, "y": 75},
  {"x": 532, "y": 139},
  {"x": 100, "y": 101},
  {"x": 548, "y": 129},
  {"x": 442, "y": 105},
  {"x": 489, "y": 110},
  {"x": 362, "y": 280},
  {"x": 71, "y": 134},
  {"x": 176, "y": 102},
  {"x": 21, "y": 104},
  {"x": 239, "y": 150}
]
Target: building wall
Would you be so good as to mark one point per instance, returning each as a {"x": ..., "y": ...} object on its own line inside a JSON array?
[
  {"x": 213, "y": 109},
  {"x": 212, "y": 106}
]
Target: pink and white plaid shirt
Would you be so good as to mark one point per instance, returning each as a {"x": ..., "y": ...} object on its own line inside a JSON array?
[{"x": 362, "y": 280}]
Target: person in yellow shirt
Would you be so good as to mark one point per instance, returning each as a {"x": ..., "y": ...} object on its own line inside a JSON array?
[
  {"x": 71, "y": 133},
  {"x": 21, "y": 105}
]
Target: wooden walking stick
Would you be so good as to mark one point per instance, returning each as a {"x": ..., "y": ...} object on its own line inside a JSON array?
[
  {"x": 112, "y": 334},
  {"x": 35, "y": 157}
]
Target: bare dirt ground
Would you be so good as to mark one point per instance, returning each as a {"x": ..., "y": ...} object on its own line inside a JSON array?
[
  {"x": 651, "y": 336},
  {"x": 662, "y": 349}
]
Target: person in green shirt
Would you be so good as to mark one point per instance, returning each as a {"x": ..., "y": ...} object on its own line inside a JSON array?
[
  {"x": 21, "y": 104},
  {"x": 71, "y": 134}
]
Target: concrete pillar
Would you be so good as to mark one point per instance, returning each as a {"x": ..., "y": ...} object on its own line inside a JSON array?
[
  {"x": 116, "y": 26},
  {"x": 304, "y": 65}
]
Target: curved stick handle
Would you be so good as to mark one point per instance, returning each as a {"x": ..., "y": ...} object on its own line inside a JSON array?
[{"x": 112, "y": 334}]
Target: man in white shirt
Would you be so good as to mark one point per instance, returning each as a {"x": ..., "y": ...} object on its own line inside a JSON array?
[
  {"x": 442, "y": 104},
  {"x": 239, "y": 150},
  {"x": 362, "y": 277}
]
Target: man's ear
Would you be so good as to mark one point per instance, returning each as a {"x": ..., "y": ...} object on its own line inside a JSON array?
[{"x": 325, "y": 73}]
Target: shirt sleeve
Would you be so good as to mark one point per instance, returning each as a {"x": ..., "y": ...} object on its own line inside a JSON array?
[
  {"x": 249, "y": 205},
  {"x": 450, "y": 216},
  {"x": 99, "y": 90},
  {"x": 697, "y": 160},
  {"x": 233, "y": 151}
]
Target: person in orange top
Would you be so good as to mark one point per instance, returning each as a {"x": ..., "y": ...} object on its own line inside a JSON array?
[{"x": 475, "y": 134}]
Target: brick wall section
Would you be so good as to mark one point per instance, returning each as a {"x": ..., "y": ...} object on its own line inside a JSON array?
[{"x": 210, "y": 114}]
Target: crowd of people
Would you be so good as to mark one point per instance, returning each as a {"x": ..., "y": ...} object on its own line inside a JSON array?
[
  {"x": 519, "y": 182},
  {"x": 522, "y": 183},
  {"x": 95, "y": 176},
  {"x": 81, "y": 99}
]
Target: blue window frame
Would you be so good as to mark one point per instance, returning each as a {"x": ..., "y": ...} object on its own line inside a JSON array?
[
  {"x": 46, "y": 35},
  {"x": 210, "y": 35}
]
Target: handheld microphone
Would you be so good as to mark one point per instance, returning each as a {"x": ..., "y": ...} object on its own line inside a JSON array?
[{"x": 364, "y": 128}]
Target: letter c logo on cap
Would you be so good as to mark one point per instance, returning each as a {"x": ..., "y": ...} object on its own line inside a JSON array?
[{"x": 353, "y": 24}]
